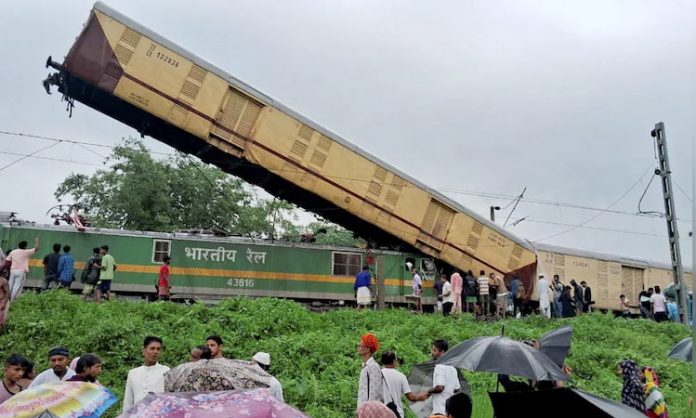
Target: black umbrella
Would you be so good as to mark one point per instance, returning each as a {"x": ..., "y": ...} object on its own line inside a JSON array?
[
  {"x": 554, "y": 403},
  {"x": 502, "y": 355},
  {"x": 682, "y": 350},
  {"x": 556, "y": 344},
  {"x": 420, "y": 379}
]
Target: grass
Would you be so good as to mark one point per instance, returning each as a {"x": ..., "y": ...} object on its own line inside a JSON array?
[{"x": 313, "y": 354}]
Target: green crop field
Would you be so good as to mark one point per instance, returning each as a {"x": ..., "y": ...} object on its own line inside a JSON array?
[{"x": 313, "y": 354}]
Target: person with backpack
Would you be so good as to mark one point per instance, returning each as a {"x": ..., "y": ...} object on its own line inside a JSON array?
[
  {"x": 91, "y": 273},
  {"x": 470, "y": 292},
  {"x": 518, "y": 294}
]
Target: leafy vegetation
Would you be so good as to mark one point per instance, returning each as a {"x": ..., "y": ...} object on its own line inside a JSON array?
[
  {"x": 139, "y": 192},
  {"x": 313, "y": 354}
]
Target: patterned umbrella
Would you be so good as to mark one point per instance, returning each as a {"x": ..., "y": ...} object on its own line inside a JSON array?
[
  {"x": 216, "y": 374},
  {"x": 62, "y": 399},
  {"x": 256, "y": 403}
]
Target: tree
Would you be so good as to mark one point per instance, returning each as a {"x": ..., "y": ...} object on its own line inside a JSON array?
[
  {"x": 331, "y": 234},
  {"x": 138, "y": 192}
]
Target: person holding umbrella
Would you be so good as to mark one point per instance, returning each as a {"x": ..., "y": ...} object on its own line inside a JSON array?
[{"x": 445, "y": 379}]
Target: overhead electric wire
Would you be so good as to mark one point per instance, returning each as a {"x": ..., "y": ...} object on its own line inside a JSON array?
[
  {"x": 597, "y": 215},
  {"x": 510, "y": 198},
  {"x": 28, "y": 155},
  {"x": 51, "y": 158}
]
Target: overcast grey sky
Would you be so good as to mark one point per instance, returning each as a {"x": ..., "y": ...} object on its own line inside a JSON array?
[{"x": 472, "y": 97}]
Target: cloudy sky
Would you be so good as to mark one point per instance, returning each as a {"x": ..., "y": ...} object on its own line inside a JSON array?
[{"x": 478, "y": 99}]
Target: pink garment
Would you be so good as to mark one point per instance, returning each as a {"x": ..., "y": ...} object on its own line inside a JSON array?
[
  {"x": 20, "y": 259},
  {"x": 457, "y": 283}
]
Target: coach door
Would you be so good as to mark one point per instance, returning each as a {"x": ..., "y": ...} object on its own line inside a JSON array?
[{"x": 631, "y": 283}]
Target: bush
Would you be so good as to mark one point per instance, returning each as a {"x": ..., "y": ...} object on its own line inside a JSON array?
[{"x": 313, "y": 355}]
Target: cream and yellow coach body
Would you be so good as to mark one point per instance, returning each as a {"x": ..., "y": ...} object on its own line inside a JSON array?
[{"x": 166, "y": 81}]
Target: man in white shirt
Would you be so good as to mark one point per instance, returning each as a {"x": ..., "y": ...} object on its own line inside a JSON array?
[
  {"x": 263, "y": 361},
  {"x": 59, "y": 357},
  {"x": 447, "y": 296},
  {"x": 396, "y": 385},
  {"x": 370, "y": 384},
  {"x": 148, "y": 378},
  {"x": 445, "y": 379},
  {"x": 659, "y": 305},
  {"x": 544, "y": 303}
]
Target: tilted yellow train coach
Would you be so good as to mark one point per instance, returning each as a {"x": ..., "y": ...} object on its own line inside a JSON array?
[{"x": 136, "y": 76}]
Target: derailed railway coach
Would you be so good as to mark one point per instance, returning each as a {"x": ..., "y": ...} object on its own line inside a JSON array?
[
  {"x": 138, "y": 77},
  {"x": 209, "y": 268}
]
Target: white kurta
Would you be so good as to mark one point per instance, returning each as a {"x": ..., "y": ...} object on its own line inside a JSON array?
[
  {"x": 49, "y": 376},
  {"x": 141, "y": 381}
]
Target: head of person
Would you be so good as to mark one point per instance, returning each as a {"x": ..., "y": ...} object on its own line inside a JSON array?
[
  {"x": 444, "y": 278},
  {"x": 572, "y": 282},
  {"x": 568, "y": 288},
  {"x": 458, "y": 406},
  {"x": 622, "y": 297},
  {"x": 658, "y": 290},
  {"x": 167, "y": 260},
  {"x": 556, "y": 278},
  {"x": 470, "y": 273},
  {"x": 59, "y": 358},
  {"x": 215, "y": 344},
  {"x": 651, "y": 291},
  {"x": 152, "y": 348},
  {"x": 66, "y": 248},
  {"x": 29, "y": 370},
  {"x": 56, "y": 248},
  {"x": 96, "y": 250},
  {"x": 389, "y": 359},
  {"x": 22, "y": 245},
  {"x": 439, "y": 348},
  {"x": 365, "y": 268},
  {"x": 104, "y": 249},
  {"x": 482, "y": 273},
  {"x": 89, "y": 366},
  {"x": 541, "y": 276},
  {"x": 201, "y": 352},
  {"x": 262, "y": 359},
  {"x": 583, "y": 283},
  {"x": 14, "y": 367},
  {"x": 369, "y": 344}
]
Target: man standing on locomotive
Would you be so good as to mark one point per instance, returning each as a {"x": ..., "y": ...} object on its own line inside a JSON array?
[{"x": 363, "y": 280}]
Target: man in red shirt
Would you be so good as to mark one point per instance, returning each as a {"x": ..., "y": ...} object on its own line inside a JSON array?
[{"x": 163, "y": 283}]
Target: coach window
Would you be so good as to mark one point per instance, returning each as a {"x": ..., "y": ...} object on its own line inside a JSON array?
[
  {"x": 160, "y": 249},
  {"x": 346, "y": 264}
]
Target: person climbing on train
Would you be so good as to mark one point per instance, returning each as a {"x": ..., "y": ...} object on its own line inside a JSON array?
[{"x": 363, "y": 295}]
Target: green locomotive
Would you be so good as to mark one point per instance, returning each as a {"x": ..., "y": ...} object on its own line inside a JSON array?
[{"x": 208, "y": 267}]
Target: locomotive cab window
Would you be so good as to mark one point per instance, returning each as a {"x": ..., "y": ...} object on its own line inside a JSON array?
[
  {"x": 160, "y": 248},
  {"x": 346, "y": 264}
]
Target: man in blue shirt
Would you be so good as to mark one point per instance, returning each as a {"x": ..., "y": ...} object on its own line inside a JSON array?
[
  {"x": 673, "y": 311},
  {"x": 66, "y": 268},
  {"x": 362, "y": 287}
]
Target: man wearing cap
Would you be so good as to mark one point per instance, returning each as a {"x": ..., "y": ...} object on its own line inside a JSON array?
[
  {"x": 263, "y": 361},
  {"x": 59, "y": 358},
  {"x": 370, "y": 388}
]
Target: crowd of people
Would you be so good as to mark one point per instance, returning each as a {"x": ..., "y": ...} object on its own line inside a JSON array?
[
  {"x": 59, "y": 268},
  {"x": 490, "y": 295},
  {"x": 381, "y": 389},
  {"x": 19, "y": 372}
]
